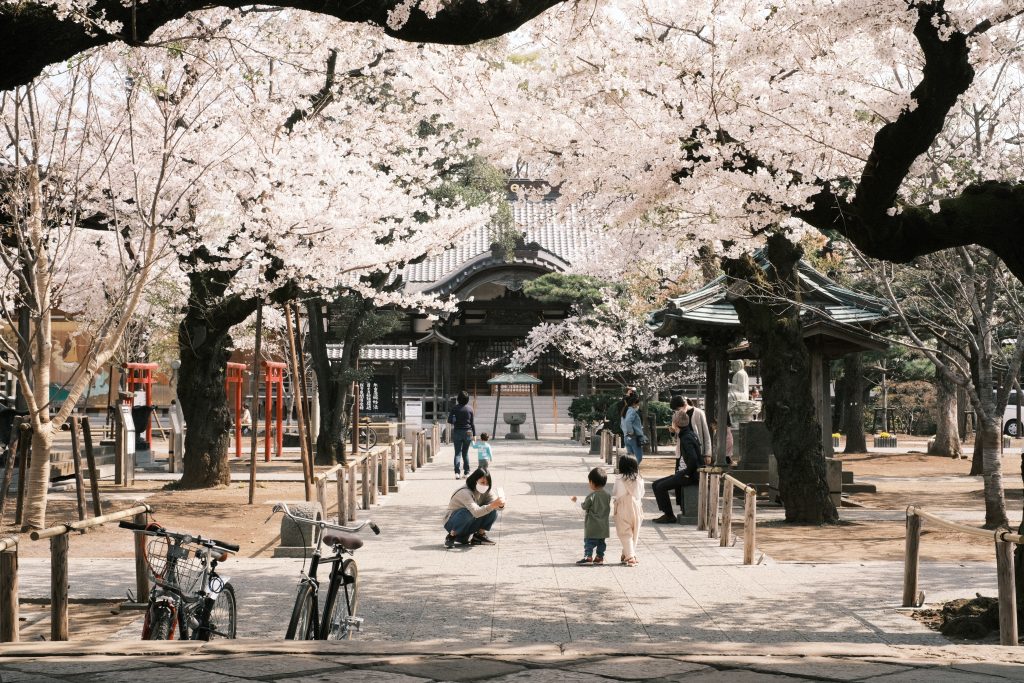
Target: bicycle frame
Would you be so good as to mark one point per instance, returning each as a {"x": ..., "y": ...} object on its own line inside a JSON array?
[{"x": 319, "y": 622}]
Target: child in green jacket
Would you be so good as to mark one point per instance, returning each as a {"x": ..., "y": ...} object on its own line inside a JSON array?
[{"x": 597, "y": 505}]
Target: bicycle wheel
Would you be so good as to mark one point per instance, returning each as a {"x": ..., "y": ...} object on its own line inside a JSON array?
[
  {"x": 224, "y": 614},
  {"x": 300, "y": 627},
  {"x": 345, "y": 600},
  {"x": 161, "y": 624}
]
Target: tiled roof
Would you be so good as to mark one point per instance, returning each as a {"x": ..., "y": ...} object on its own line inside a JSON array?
[
  {"x": 822, "y": 298},
  {"x": 568, "y": 237},
  {"x": 376, "y": 352}
]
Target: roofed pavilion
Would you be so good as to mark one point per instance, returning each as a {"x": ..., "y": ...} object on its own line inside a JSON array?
[{"x": 836, "y": 321}]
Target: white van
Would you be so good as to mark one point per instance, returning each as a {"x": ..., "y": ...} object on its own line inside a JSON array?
[{"x": 1011, "y": 427}]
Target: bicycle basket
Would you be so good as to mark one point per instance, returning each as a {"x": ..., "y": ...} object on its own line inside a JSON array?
[{"x": 178, "y": 566}]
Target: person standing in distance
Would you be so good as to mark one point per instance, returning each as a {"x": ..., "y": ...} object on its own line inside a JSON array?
[{"x": 463, "y": 431}]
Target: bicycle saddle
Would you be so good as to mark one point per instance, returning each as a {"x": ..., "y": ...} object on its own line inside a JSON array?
[{"x": 346, "y": 541}]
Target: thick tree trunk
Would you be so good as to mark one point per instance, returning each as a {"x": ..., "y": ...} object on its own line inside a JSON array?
[
  {"x": 38, "y": 480},
  {"x": 995, "y": 503},
  {"x": 772, "y": 323},
  {"x": 204, "y": 346},
  {"x": 947, "y": 437},
  {"x": 853, "y": 403}
]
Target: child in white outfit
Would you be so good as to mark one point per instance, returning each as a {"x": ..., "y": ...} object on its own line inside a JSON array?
[{"x": 627, "y": 496}]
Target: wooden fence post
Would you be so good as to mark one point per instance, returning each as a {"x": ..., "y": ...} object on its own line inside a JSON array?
[
  {"x": 9, "y": 625},
  {"x": 76, "y": 458},
  {"x": 400, "y": 447},
  {"x": 141, "y": 567},
  {"x": 384, "y": 458},
  {"x": 911, "y": 555},
  {"x": 59, "y": 587},
  {"x": 702, "y": 500},
  {"x": 90, "y": 462},
  {"x": 342, "y": 503},
  {"x": 749, "y": 526},
  {"x": 1007, "y": 591},
  {"x": 414, "y": 458},
  {"x": 24, "y": 459},
  {"x": 726, "y": 516},
  {"x": 714, "y": 479},
  {"x": 366, "y": 482},
  {"x": 321, "y": 494},
  {"x": 351, "y": 498},
  {"x": 373, "y": 457}
]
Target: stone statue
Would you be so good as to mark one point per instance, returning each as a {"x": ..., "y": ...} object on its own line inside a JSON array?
[{"x": 740, "y": 407}]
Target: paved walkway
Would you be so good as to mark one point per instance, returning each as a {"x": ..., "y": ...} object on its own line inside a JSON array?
[{"x": 687, "y": 596}]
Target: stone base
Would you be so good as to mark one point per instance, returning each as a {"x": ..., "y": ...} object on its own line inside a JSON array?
[
  {"x": 296, "y": 538},
  {"x": 292, "y": 551},
  {"x": 515, "y": 436},
  {"x": 690, "y": 496}
]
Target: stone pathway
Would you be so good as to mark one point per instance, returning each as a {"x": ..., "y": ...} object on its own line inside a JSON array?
[{"x": 523, "y": 611}]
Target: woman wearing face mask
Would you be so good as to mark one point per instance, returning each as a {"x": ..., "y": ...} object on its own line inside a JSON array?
[{"x": 472, "y": 511}]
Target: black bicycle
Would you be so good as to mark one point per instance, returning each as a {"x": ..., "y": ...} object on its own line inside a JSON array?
[
  {"x": 339, "y": 620},
  {"x": 188, "y": 593}
]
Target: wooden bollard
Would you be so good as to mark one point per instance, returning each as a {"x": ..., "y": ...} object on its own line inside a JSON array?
[
  {"x": 321, "y": 494},
  {"x": 366, "y": 482},
  {"x": 723, "y": 537},
  {"x": 702, "y": 501},
  {"x": 90, "y": 462},
  {"x": 59, "y": 587},
  {"x": 413, "y": 450},
  {"x": 384, "y": 474},
  {"x": 400, "y": 446},
  {"x": 76, "y": 459},
  {"x": 749, "y": 526},
  {"x": 911, "y": 555},
  {"x": 141, "y": 567},
  {"x": 1007, "y": 591},
  {"x": 374, "y": 458},
  {"x": 9, "y": 616},
  {"x": 351, "y": 499},
  {"x": 342, "y": 504},
  {"x": 713, "y": 485}
]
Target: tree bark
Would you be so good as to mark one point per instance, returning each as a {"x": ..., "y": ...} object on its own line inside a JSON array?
[
  {"x": 947, "y": 437},
  {"x": 33, "y": 37},
  {"x": 853, "y": 403},
  {"x": 772, "y": 323},
  {"x": 989, "y": 434},
  {"x": 204, "y": 343},
  {"x": 332, "y": 392}
]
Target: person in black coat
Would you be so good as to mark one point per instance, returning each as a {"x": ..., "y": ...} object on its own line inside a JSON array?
[{"x": 686, "y": 464}]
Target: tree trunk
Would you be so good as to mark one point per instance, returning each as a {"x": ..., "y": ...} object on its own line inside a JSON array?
[
  {"x": 947, "y": 437},
  {"x": 853, "y": 403},
  {"x": 204, "y": 346},
  {"x": 1018, "y": 563},
  {"x": 772, "y": 324},
  {"x": 995, "y": 502},
  {"x": 38, "y": 481}
]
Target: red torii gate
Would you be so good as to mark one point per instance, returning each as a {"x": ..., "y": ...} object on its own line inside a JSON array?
[
  {"x": 233, "y": 387},
  {"x": 273, "y": 376},
  {"x": 140, "y": 376}
]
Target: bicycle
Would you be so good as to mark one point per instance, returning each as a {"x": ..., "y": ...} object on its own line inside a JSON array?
[
  {"x": 366, "y": 437},
  {"x": 187, "y": 593},
  {"x": 339, "y": 620}
]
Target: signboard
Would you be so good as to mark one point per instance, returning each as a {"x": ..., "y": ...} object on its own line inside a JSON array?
[
  {"x": 413, "y": 414},
  {"x": 128, "y": 425},
  {"x": 377, "y": 395}
]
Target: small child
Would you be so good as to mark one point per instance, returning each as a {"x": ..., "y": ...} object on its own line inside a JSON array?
[
  {"x": 628, "y": 495},
  {"x": 483, "y": 451},
  {"x": 595, "y": 525}
]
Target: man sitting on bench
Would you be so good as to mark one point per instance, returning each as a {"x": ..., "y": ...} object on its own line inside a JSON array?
[{"x": 689, "y": 452}]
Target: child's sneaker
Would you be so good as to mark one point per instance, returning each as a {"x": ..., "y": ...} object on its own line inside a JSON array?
[
  {"x": 598, "y": 560},
  {"x": 585, "y": 560}
]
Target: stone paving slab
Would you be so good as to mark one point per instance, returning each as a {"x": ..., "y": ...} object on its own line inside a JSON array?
[{"x": 372, "y": 662}]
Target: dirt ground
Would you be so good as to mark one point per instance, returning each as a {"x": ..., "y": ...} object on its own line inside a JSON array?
[{"x": 937, "y": 483}]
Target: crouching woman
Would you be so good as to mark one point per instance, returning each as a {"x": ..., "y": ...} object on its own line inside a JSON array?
[{"x": 472, "y": 511}]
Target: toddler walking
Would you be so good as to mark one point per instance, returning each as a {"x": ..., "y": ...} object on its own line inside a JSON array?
[
  {"x": 595, "y": 524},
  {"x": 483, "y": 451},
  {"x": 628, "y": 495}
]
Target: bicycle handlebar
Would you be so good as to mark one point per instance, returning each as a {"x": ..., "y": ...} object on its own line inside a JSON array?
[
  {"x": 157, "y": 530},
  {"x": 283, "y": 508}
]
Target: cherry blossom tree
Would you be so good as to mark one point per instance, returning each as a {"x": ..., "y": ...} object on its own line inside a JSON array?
[{"x": 612, "y": 341}]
